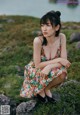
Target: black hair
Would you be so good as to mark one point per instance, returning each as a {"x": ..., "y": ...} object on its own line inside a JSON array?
[{"x": 54, "y": 18}]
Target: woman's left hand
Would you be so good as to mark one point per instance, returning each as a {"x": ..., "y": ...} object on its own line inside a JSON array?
[{"x": 45, "y": 71}]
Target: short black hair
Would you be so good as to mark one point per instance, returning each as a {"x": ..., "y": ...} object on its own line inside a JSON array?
[{"x": 54, "y": 18}]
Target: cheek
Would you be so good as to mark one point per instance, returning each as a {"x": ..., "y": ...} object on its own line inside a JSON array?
[
  {"x": 41, "y": 30},
  {"x": 49, "y": 29},
  {"x": 54, "y": 30}
]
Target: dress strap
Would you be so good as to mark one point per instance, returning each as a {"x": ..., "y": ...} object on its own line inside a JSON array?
[{"x": 60, "y": 41}]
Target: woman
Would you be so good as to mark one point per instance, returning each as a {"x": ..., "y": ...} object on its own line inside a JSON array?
[{"x": 50, "y": 64}]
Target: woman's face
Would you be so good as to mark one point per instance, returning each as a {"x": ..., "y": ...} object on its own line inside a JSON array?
[{"x": 47, "y": 29}]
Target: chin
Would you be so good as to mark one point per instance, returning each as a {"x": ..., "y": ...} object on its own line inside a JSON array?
[{"x": 45, "y": 35}]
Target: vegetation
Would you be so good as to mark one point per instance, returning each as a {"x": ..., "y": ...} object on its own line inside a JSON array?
[{"x": 16, "y": 40}]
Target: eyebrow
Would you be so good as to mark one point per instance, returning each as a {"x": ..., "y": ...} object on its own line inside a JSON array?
[{"x": 48, "y": 23}]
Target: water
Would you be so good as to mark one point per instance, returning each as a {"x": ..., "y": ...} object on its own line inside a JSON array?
[{"x": 38, "y": 8}]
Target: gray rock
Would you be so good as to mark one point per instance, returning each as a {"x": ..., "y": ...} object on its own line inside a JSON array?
[
  {"x": 69, "y": 82},
  {"x": 4, "y": 100},
  {"x": 75, "y": 37},
  {"x": 78, "y": 45},
  {"x": 7, "y": 49},
  {"x": 20, "y": 70},
  {"x": 56, "y": 96},
  {"x": 10, "y": 21},
  {"x": 25, "y": 107}
]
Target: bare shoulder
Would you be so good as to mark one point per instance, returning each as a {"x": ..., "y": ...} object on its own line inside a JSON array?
[
  {"x": 38, "y": 40},
  {"x": 62, "y": 36}
]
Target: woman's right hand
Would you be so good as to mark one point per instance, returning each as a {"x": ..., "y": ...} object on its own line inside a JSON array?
[{"x": 65, "y": 62}]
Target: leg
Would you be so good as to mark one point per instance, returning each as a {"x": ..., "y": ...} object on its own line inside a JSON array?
[
  {"x": 42, "y": 93},
  {"x": 41, "y": 97},
  {"x": 61, "y": 79},
  {"x": 55, "y": 82}
]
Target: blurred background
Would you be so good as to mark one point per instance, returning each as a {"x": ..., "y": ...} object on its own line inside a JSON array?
[{"x": 36, "y": 8}]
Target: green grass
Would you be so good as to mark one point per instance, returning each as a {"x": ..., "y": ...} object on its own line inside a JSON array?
[{"x": 16, "y": 47}]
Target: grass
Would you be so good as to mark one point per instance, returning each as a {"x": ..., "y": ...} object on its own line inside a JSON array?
[{"x": 16, "y": 47}]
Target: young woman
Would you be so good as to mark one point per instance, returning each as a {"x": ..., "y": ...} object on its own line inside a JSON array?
[{"x": 49, "y": 66}]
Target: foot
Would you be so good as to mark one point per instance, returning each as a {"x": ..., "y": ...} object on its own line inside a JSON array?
[
  {"x": 49, "y": 96},
  {"x": 50, "y": 99},
  {"x": 41, "y": 99},
  {"x": 48, "y": 93}
]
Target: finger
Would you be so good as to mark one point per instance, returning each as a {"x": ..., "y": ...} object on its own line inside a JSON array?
[{"x": 68, "y": 65}]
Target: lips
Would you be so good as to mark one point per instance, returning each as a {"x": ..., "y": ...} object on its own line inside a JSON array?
[{"x": 45, "y": 33}]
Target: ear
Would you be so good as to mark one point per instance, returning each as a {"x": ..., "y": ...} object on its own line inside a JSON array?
[{"x": 57, "y": 27}]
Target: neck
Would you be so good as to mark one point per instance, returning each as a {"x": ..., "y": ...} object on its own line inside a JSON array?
[{"x": 51, "y": 39}]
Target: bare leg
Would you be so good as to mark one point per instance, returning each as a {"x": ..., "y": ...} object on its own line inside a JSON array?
[
  {"x": 42, "y": 93},
  {"x": 55, "y": 82}
]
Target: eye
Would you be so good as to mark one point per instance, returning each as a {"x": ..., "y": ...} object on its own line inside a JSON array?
[
  {"x": 48, "y": 24},
  {"x": 42, "y": 25}
]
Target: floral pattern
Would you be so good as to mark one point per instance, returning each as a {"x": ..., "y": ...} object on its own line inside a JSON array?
[{"x": 33, "y": 82}]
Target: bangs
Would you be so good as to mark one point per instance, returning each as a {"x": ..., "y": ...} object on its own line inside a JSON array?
[{"x": 44, "y": 20}]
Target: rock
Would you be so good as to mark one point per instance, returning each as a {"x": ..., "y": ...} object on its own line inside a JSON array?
[
  {"x": 10, "y": 21},
  {"x": 4, "y": 100},
  {"x": 7, "y": 49},
  {"x": 24, "y": 108},
  {"x": 69, "y": 82},
  {"x": 74, "y": 26},
  {"x": 78, "y": 45},
  {"x": 20, "y": 70},
  {"x": 56, "y": 96},
  {"x": 75, "y": 37}
]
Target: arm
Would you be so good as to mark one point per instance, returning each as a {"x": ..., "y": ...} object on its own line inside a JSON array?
[
  {"x": 63, "y": 46},
  {"x": 64, "y": 60},
  {"x": 48, "y": 68},
  {"x": 45, "y": 71},
  {"x": 37, "y": 45}
]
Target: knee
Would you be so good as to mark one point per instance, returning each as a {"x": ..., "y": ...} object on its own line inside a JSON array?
[{"x": 63, "y": 76}]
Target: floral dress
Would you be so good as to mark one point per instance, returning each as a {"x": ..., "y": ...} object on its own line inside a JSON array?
[{"x": 33, "y": 82}]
